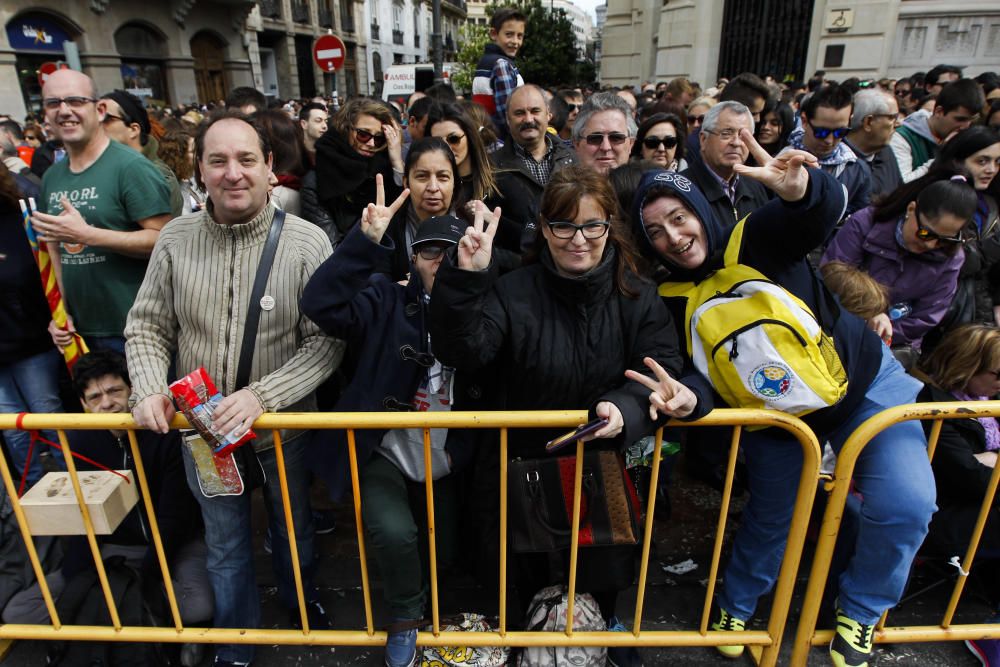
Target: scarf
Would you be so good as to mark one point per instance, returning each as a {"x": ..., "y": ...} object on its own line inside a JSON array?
[
  {"x": 290, "y": 181},
  {"x": 833, "y": 163},
  {"x": 341, "y": 170},
  {"x": 989, "y": 423}
]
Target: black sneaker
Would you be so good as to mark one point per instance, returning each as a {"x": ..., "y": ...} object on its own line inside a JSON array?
[
  {"x": 318, "y": 620},
  {"x": 324, "y": 522},
  {"x": 852, "y": 644}
]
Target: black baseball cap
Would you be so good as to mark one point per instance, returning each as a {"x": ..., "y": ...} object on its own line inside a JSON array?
[
  {"x": 440, "y": 229},
  {"x": 131, "y": 107}
]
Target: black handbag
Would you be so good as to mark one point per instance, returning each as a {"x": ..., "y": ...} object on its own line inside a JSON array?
[{"x": 540, "y": 498}]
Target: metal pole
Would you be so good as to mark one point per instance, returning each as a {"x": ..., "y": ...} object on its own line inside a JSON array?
[{"x": 437, "y": 55}]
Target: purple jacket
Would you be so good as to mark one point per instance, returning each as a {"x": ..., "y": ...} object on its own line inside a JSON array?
[{"x": 927, "y": 281}]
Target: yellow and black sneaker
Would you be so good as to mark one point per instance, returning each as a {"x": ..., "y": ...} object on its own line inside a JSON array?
[
  {"x": 852, "y": 643},
  {"x": 729, "y": 623}
]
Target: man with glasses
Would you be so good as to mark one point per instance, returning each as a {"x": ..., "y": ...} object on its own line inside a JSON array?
[
  {"x": 731, "y": 197},
  {"x": 604, "y": 132},
  {"x": 825, "y": 116},
  {"x": 527, "y": 161},
  {"x": 915, "y": 144},
  {"x": 873, "y": 122},
  {"x": 126, "y": 121},
  {"x": 100, "y": 212}
]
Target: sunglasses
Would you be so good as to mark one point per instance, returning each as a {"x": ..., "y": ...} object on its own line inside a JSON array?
[
  {"x": 573, "y": 107},
  {"x": 364, "y": 136},
  {"x": 925, "y": 233},
  {"x": 74, "y": 102},
  {"x": 652, "y": 143},
  {"x": 697, "y": 120},
  {"x": 824, "y": 132},
  {"x": 590, "y": 230},
  {"x": 614, "y": 138},
  {"x": 454, "y": 139},
  {"x": 431, "y": 252},
  {"x": 108, "y": 117}
]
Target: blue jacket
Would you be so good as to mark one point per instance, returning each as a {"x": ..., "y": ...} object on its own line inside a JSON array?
[
  {"x": 776, "y": 241},
  {"x": 384, "y": 325}
]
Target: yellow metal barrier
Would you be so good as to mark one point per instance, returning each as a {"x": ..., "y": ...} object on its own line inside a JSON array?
[
  {"x": 764, "y": 645},
  {"x": 807, "y": 634}
]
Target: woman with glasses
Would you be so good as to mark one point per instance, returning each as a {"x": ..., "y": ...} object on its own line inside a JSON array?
[
  {"x": 385, "y": 326},
  {"x": 363, "y": 140},
  {"x": 696, "y": 113},
  {"x": 475, "y": 172},
  {"x": 661, "y": 141},
  {"x": 559, "y": 333},
  {"x": 911, "y": 242}
]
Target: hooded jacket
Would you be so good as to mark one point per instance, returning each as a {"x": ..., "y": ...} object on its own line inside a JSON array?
[
  {"x": 776, "y": 240},
  {"x": 926, "y": 281},
  {"x": 914, "y": 145}
]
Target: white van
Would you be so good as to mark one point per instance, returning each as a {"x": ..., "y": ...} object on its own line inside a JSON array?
[{"x": 401, "y": 81}]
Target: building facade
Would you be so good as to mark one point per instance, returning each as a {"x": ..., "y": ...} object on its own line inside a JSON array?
[{"x": 652, "y": 40}]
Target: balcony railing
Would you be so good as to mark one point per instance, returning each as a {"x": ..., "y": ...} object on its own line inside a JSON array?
[
  {"x": 397, "y": 36},
  {"x": 300, "y": 12},
  {"x": 416, "y": 41},
  {"x": 460, "y": 4},
  {"x": 449, "y": 43},
  {"x": 346, "y": 16},
  {"x": 325, "y": 17},
  {"x": 270, "y": 9},
  {"x": 374, "y": 27}
]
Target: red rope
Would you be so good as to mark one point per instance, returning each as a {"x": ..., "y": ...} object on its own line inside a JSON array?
[{"x": 36, "y": 436}]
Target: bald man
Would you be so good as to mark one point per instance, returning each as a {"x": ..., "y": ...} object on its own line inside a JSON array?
[{"x": 101, "y": 211}]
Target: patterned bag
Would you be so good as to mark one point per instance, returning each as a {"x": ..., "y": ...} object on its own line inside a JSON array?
[
  {"x": 548, "y": 613},
  {"x": 465, "y": 656}
]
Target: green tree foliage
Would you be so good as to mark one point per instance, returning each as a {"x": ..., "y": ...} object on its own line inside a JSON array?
[{"x": 547, "y": 58}]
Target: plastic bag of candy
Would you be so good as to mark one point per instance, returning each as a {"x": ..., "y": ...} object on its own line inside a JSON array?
[{"x": 197, "y": 397}]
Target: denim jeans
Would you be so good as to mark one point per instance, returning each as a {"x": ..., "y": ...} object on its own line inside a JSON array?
[
  {"x": 894, "y": 479},
  {"x": 230, "y": 548},
  {"x": 31, "y": 385}
]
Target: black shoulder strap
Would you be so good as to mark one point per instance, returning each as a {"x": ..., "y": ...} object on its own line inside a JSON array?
[{"x": 253, "y": 309}]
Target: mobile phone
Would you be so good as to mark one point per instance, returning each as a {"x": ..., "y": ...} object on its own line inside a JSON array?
[{"x": 573, "y": 436}]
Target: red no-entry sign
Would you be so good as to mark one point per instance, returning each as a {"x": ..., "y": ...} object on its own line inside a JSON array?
[
  {"x": 329, "y": 53},
  {"x": 48, "y": 68}
]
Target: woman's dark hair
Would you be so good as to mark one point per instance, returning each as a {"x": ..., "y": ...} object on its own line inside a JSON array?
[
  {"x": 787, "y": 119},
  {"x": 483, "y": 183},
  {"x": 940, "y": 190},
  {"x": 964, "y": 145},
  {"x": 285, "y": 137},
  {"x": 625, "y": 181},
  {"x": 561, "y": 201},
  {"x": 477, "y": 114},
  {"x": 432, "y": 145},
  {"x": 680, "y": 129},
  {"x": 9, "y": 192}
]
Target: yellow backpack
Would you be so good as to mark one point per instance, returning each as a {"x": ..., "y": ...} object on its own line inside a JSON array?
[{"x": 758, "y": 344}]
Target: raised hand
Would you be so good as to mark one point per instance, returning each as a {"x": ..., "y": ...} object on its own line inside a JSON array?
[
  {"x": 67, "y": 227},
  {"x": 784, "y": 174},
  {"x": 476, "y": 247},
  {"x": 375, "y": 218},
  {"x": 394, "y": 144},
  {"x": 667, "y": 394}
]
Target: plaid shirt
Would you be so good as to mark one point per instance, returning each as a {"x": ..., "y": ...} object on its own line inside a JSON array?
[
  {"x": 504, "y": 82},
  {"x": 541, "y": 170}
]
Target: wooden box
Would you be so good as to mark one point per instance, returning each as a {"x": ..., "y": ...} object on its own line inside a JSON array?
[{"x": 51, "y": 508}]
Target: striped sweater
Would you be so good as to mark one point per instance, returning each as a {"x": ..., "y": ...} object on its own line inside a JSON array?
[{"x": 193, "y": 301}]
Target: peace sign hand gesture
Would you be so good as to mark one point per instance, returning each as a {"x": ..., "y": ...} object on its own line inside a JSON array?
[
  {"x": 375, "y": 218},
  {"x": 784, "y": 174},
  {"x": 668, "y": 395},
  {"x": 476, "y": 247}
]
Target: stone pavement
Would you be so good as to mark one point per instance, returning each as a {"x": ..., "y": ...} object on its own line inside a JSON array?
[{"x": 672, "y": 601}]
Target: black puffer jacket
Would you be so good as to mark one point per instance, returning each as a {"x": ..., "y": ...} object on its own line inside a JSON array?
[{"x": 558, "y": 343}]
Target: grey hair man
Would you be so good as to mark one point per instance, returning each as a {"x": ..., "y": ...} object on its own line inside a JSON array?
[
  {"x": 604, "y": 132},
  {"x": 873, "y": 122},
  {"x": 722, "y": 148}
]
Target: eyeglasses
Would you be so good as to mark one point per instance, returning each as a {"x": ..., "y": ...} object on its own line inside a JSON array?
[
  {"x": 431, "y": 252},
  {"x": 925, "y": 233},
  {"x": 824, "y": 132},
  {"x": 454, "y": 139},
  {"x": 74, "y": 102},
  {"x": 614, "y": 138},
  {"x": 364, "y": 136},
  {"x": 652, "y": 143},
  {"x": 108, "y": 117},
  {"x": 728, "y": 134},
  {"x": 887, "y": 116},
  {"x": 567, "y": 230}
]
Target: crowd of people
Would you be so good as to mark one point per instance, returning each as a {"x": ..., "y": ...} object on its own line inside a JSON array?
[{"x": 522, "y": 249}]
